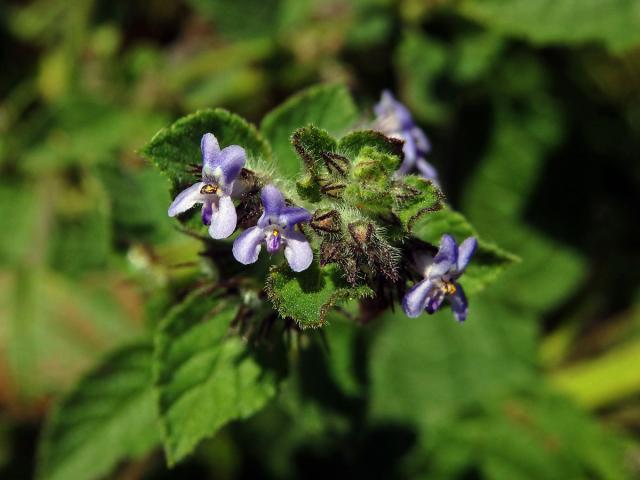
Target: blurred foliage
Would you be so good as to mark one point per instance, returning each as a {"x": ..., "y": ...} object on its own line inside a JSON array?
[{"x": 533, "y": 111}]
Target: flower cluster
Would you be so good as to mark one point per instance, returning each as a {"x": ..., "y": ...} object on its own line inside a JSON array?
[
  {"x": 276, "y": 226},
  {"x": 394, "y": 120}
]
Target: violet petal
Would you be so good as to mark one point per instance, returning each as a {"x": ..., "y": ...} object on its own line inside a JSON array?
[
  {"x": 459, "y": 304},
  {"x": 224, "y": 219},
  {"x": 415, "y": 300},
  {"x": 298, "y": 251},
  {"x": 186, "y": 199},
  {"x": 246, "y": 247}
]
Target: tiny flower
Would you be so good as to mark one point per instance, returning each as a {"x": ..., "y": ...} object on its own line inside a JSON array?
[
  {"x": 220, "y": 168},
  {"x": 276, "y": 228},
  {"x": 395, "y": 120},
  {"x": 440, "y": 279}
]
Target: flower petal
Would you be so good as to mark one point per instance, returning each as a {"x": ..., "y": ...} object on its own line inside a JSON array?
[
  {"x": 410, "y": 155},
  {"x": 298, "y": 251},
  {"x": 434, "y": 300},
  {"x": 446, "y": 258},
  {"x": 232, "y": 159},
  {"x": 427, "y": 170},
  {"x": 207, "y": 211},
  {"x": 423, "y": 145},
  {"x": 272, "y": 200},
  {"x": 459, "y": 304},
  {"x": 465, "y": 252},
  {"x": 224, "y": 219},
  {"x": 291, "y": 216},
  {"x": 273, "y": 240},
  {"x": 210, "y": 148},
  {"x": 186, "y": 199},
  {"x": 415, "y": 300},
  {"x": 392, "y": 112},
  {"x": 247, "y": 246}
]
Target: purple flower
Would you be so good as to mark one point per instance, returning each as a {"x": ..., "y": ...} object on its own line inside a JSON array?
[
  {"x": 220, "y": 168},
  {"x": 276, "y": 227},
  {"x": 440, "y": 279},
  {"x": 395, "y": 120}
]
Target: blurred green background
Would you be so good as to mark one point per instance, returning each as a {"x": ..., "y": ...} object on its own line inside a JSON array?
[{"x": 533, "y": 110}]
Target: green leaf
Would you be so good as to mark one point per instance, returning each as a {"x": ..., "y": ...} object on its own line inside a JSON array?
[
  {"x": 311, "y": 143},
  {"x": 615, "y": 23},
  {"x": 87, "y": 131},
  {"x": 139, "y": 201},
  {"x": 175, "y": 149},
  {"x": 536, "y": 437},
  {"x": 18, "y": 221},
  {"x": 55, "y": 327},
  {"x": 308, "y": 296},
  {"x": 329, "y": 107},
  {"x": 232, "y": 20},
  {"x": 423, "y": 61},
  {"x": 527, "y": 128},
  {"x": 488, "y": 261},
  {"x": 205, "y": 377},
  {"x": 422, "y": 198},
  {"x": 80, "y": 237},
  {"x": 429, "y": 369},
  {"x": 351, "y": 144},
  {"x": 108, "y": 417}
]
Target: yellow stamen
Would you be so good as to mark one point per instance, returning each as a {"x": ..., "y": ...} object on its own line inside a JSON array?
[
  {"x": 275, "y": 232},
  {"x": 449, "y": 288},
  {"x": 208, "y": 189}
]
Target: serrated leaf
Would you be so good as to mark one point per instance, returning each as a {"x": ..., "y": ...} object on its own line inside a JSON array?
[
  {"x": 488, "y": 261},
  {"x": 205, "y": 377},
  {"x": 307, "y": 297},
  {"x": 615, "y": 23},
  {"x": 329, "y": 107},
  {"x": 310, "y": 143},
  {"x": 422, "y": 198},
  {"x": 175, "y": 149},
  {"x": 351, "y": 144},
  {"x": 108, "y": 417}
]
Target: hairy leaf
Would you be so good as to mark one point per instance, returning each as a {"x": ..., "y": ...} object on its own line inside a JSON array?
[
  {"x": 416, "y": 198},
  {"x": 108, "y": 417},
  {"x": 329, "y": 107},
  {"x": 205, "y": 376},
  {"x": 351, "y": 144},
  {"x": 312, "y": 144},
  {"x": 308, "y": 296}
]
